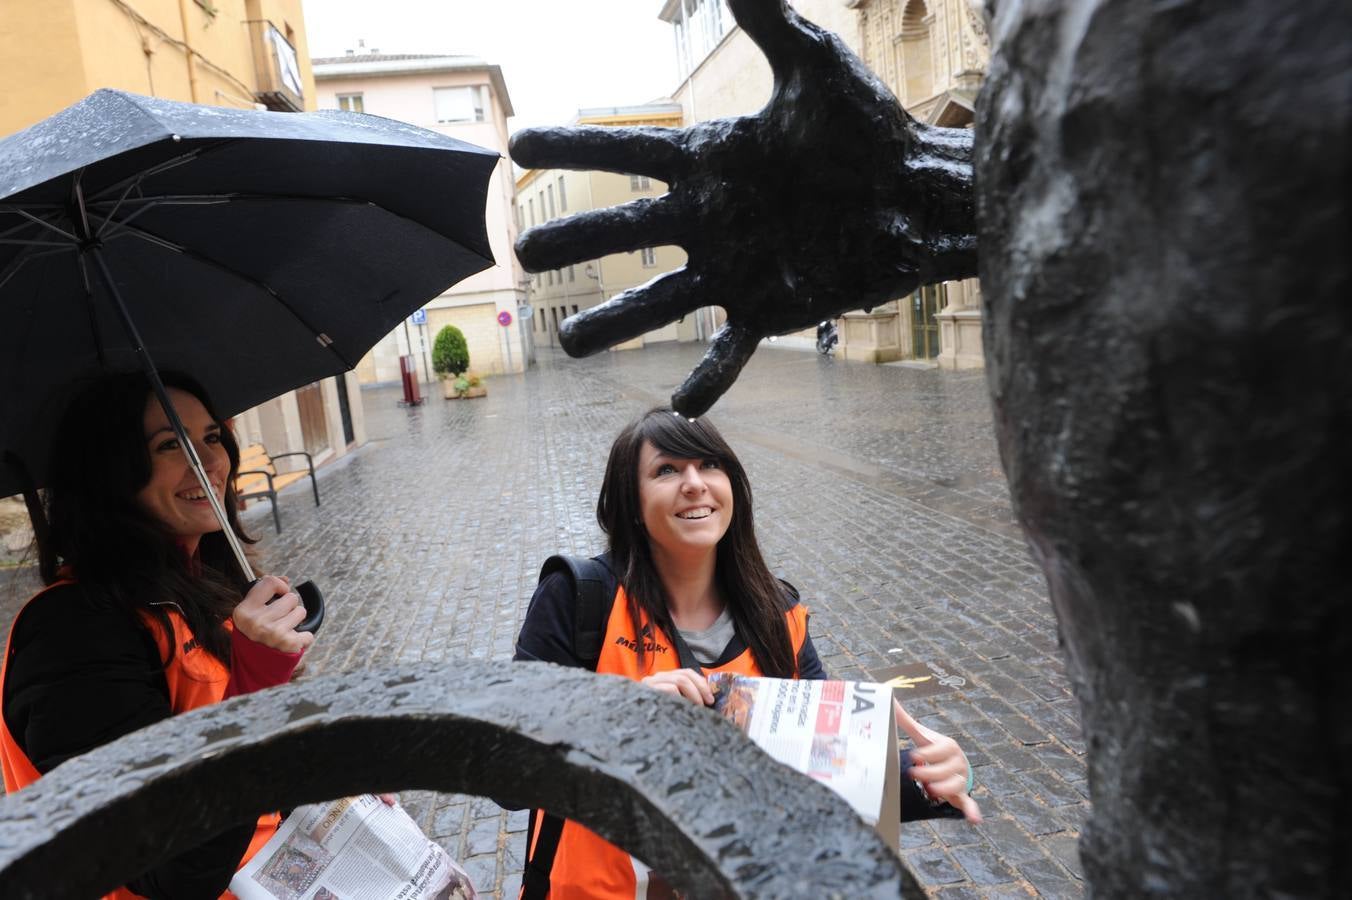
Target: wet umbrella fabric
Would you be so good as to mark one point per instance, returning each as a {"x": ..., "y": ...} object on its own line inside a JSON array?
[{"x": 257, "y": 251}]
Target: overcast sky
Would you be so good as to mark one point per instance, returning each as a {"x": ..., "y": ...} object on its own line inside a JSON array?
[{"x": 556, "y": 56}]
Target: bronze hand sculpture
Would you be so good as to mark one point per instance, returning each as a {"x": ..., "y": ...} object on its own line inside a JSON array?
[{"x": 755, "y": 202}]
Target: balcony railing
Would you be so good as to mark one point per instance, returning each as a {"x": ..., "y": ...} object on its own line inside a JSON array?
[{"x": 277, "y": 68}]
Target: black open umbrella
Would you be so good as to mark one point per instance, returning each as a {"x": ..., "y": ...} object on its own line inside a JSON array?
[{"x": 258, "y": 251}]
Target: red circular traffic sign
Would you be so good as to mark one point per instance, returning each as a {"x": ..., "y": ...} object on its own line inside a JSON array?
[{"x": 504, "y": 318}]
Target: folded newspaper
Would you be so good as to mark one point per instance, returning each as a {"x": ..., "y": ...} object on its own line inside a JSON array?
[
  {"x": 841, "y": 733},
  {"x": 356, "y": 848}
]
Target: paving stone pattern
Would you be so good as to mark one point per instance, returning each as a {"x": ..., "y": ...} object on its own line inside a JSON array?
[{"x": 878, "y": 493}]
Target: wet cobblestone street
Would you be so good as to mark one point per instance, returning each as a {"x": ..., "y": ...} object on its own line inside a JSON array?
[{"x": 879, "y": 495}]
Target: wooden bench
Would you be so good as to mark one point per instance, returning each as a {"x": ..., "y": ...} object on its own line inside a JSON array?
[{"x": 258, "y": 477}]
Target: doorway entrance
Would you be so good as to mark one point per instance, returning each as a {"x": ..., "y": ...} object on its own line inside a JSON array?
[
  {"x": 925, "y": 303},
  {"x": 314, "y": 426}
]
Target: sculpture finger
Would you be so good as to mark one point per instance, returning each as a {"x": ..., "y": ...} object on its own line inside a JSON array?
[
  {"x": 648, "y": 222},
  {"x": 780, "y": 33},
  {"x": 730, "y": 349},
  {"x": 657, "y": 152},
  {"x": 627, "y": 315}
]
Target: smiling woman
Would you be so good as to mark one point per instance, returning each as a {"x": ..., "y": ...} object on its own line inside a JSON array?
[
  {"x": 685, "y": 592},
  {"x": 142, "y": 617},
  {"x": 173, "y": 496}
]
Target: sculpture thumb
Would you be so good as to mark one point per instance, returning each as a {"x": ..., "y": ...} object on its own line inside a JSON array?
[{"x": 731, "y": 347}]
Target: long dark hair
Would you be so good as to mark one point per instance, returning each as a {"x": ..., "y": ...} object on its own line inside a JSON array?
[
  {"x": 756, "y": 599},
  {"x": 117, "y": 551}
]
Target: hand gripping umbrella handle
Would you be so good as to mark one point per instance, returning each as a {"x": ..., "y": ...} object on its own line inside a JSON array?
[{"x": 312, "y": 598}]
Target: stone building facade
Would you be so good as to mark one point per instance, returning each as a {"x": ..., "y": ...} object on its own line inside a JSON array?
[
  {"x": 546, "y": 194},
  {"x": 466, "y": 98}
]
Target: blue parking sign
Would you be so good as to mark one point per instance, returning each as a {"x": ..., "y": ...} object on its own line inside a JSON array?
[{"x": 419, "y": 317}]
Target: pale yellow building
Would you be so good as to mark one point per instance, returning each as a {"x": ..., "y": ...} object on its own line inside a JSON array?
[
  {"x": 466, "y": 98},
  {"x": 236, "y": 53},
  {"x": 222, "y": 52},
  {"x": 932, "y": 55},
  {"x": 547, "y": 194}
]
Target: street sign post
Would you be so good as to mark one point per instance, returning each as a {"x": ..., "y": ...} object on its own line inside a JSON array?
[{"x": 505, "y": 320}]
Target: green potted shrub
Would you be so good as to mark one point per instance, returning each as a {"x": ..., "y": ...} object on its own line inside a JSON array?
[{"x": 450, "y": 359}]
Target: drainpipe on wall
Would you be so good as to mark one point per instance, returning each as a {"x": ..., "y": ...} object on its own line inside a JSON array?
[
  {"x": 703, "y": 315},
  {"x": 188, "y": 50}
]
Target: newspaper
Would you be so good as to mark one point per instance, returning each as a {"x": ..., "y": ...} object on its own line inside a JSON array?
[
  {"x": 356, "y": 848},
  {"x": 841, "y": 733}
]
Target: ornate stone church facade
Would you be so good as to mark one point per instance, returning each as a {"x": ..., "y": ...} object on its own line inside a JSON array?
[{"x": 933, "y": 55}]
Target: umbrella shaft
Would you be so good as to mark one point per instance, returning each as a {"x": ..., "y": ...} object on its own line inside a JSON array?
[{"x": 184, "y": 441}]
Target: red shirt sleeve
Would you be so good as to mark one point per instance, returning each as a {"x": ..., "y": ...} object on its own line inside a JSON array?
[{"x": 254, "y": 666}]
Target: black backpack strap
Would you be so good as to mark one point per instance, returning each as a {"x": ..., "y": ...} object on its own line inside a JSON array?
[
  {"x": 594, "y": 586},
  {"x": 535, "y": 877},
  {"x": 685, "y": 657}
]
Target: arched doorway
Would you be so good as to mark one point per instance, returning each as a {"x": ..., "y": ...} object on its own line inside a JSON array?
[{"x": 915, "y": 59}]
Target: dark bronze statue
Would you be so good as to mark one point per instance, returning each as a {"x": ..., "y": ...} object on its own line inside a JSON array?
[
  {"x": 756, "y": 203},
  {"x": 1160, "y": 193},
  {"x": 491, "y": 729}
]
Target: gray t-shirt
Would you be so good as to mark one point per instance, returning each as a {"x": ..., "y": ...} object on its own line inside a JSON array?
[{"x": 708, "y": 645}]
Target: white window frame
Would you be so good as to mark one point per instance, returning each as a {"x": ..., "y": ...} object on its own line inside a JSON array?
[{"x": 444, "y": 113}]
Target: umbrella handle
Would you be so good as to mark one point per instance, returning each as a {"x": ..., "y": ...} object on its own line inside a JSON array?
[{"x": 313, "y": 600}]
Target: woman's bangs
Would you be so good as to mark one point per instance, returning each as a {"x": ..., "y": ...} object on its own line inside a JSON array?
[{"x": 678, "y": 437}]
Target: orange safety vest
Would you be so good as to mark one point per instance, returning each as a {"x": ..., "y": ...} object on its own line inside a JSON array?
[
  {"x": 586, "y": 866},
  {"x": 195, "y": 678}
]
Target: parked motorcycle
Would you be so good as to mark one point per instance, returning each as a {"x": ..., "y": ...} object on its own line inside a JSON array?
[{"x": 827, "y": 337}]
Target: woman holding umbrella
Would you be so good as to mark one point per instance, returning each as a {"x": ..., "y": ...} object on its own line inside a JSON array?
[{"x": 141, "y": 618}]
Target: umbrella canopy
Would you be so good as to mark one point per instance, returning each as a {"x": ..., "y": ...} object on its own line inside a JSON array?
[{"x": 258, "y": 251}]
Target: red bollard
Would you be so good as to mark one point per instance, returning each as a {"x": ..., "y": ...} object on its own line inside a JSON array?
[{"x": 408, "y": 372}]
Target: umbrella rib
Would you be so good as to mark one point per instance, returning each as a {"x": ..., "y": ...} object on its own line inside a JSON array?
[
  {"x": 124, "y": 222},
  {"x": 152, "y": 202},
  {"x": 13, "y": 229},
  {"x": 207, "y": 199},
  {"x": 173, "y": 200},
  {"x": 132, "y": 180},
  {"x": 132, "y": 231},
  {"x": 19, "y": 243},
  {"x": 91, "y": 312},
  {"x": 150, "y": 237},
  {"x": 42, "y": 222},
  {"x": 17, "y": 263},
  {"x": 116, "y": 206}
]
